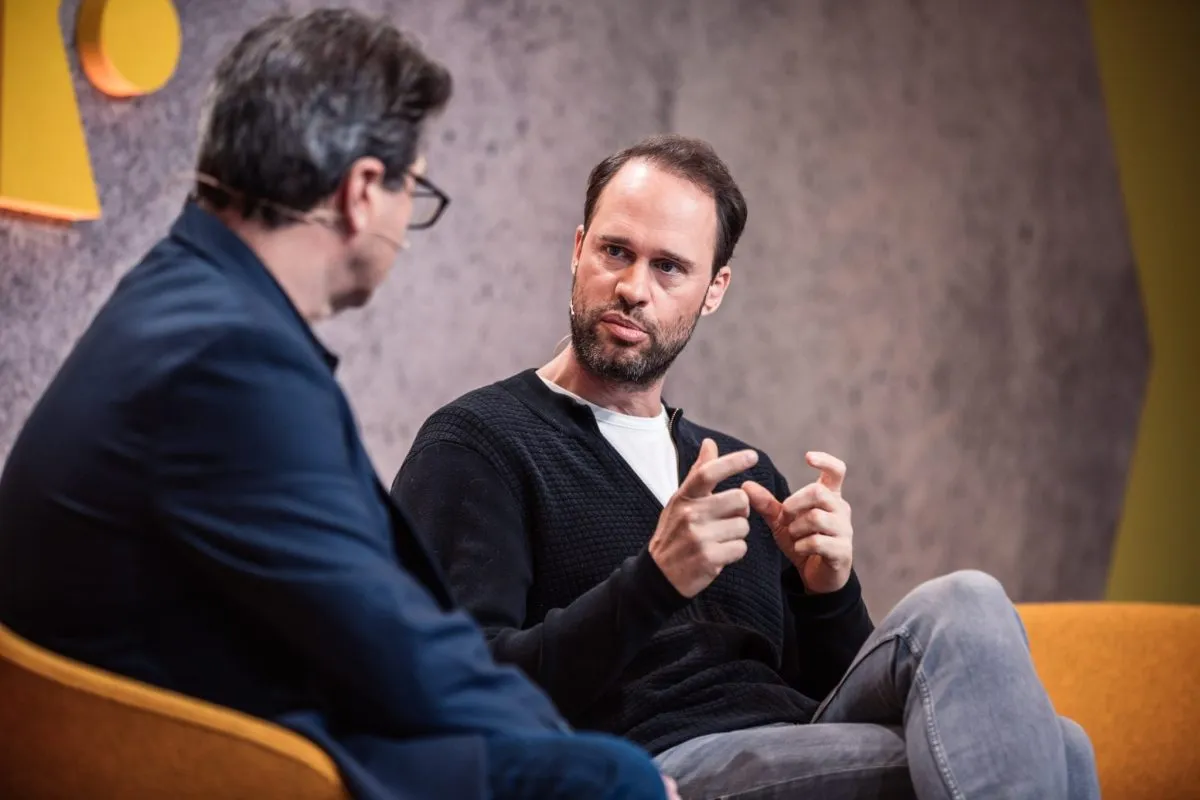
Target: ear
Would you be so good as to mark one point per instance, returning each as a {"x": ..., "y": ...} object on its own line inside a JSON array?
[
  {"x": 716, "y": 290},
  {"x": 575, "y": 254},
  {"x": 360, "y": 195}
]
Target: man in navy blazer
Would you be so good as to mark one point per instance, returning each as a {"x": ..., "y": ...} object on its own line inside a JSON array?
[{"x": 190, "y": 504}]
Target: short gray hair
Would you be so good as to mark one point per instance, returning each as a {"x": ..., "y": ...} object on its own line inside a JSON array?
[{"x": 299, "y": 99}]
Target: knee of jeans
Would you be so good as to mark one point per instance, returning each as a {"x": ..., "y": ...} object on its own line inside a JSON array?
[
  {"x": 969, "y": 596},
  {"x": 966, "y": 586},
  {"x": 1078, "y": 743}
]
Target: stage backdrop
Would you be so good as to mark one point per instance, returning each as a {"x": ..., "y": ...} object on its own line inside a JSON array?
[{"x": 935, "y": 284}]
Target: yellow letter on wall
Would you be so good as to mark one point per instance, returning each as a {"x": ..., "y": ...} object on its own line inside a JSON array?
[
  {"x": 128, "y": 47},
  {"x": 44, "y": 165}
]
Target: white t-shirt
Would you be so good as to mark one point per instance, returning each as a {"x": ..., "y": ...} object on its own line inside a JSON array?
[{"x": 644, "y": 442}]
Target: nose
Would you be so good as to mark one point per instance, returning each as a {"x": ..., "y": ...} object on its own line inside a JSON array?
[{"x": 633, "y": 287}]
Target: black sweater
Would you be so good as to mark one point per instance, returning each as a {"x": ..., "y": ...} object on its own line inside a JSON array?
[{"x": 542, "y": 529}]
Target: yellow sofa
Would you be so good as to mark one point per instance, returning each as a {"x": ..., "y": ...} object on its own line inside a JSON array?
[{"x": 1129, "y": 673}]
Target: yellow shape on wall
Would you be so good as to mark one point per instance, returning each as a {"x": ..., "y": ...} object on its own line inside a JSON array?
[
  {"x": 44, "y": 165},
  {"x": 128, "y": 47},
  {"x": 1150, "y": 73}
]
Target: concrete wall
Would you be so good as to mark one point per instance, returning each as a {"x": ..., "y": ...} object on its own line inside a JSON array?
[{"x": 936, "y": 283}]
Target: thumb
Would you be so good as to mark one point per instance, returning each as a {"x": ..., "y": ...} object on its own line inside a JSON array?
[
  {"x": 708, "y": 452},
  {"x": 762, "y": 501}
]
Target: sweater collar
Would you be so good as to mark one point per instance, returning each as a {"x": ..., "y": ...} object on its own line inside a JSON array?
[{"x": 530, "y": 388}]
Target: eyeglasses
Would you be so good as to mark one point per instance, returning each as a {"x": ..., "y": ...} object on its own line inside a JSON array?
[{"x": 429, "y": 202}]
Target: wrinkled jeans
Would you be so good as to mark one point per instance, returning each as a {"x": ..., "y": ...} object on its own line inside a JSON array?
[{"x": 942, "y": 701}]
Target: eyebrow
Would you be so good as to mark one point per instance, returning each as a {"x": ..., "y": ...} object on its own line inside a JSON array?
[{"x": 624, "y": 241}]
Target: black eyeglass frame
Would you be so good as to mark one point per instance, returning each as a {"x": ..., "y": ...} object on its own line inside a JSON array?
[
  {"x": 424, "y": 188},
  {"x": 429, "y": 190}
]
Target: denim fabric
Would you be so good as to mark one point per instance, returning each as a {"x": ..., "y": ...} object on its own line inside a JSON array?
[{"x": 942, "y": 701}]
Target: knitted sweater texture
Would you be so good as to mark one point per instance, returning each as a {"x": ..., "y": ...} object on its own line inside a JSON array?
[{"x": 542, "y": 529}]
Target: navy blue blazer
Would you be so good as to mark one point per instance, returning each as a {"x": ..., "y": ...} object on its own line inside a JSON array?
[{"x": 190, "y": 504}]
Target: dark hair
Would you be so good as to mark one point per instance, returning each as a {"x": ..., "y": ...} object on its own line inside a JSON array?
[
  {"x": 299, "y": 99},
  {"x": 693, "y": 160}
]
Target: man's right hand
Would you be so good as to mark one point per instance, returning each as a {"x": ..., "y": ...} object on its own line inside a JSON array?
[{"x": 700, "y": 533}]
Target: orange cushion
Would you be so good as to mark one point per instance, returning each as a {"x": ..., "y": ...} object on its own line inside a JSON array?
[{"x": 1128, "y": 673}]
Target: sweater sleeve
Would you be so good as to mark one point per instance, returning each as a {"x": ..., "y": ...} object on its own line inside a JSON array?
[
  {"x": 827, "y": 630},
  {"x": 476, "y": 525}
]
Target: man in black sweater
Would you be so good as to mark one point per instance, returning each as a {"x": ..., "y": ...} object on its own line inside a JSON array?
[{"x": 662, "y": 581}]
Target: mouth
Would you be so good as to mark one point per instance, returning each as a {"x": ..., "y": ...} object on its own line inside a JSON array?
[{"x": 624, "y": 328}]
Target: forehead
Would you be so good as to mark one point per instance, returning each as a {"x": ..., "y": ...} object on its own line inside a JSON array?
[{"x": 649, "y": 203}]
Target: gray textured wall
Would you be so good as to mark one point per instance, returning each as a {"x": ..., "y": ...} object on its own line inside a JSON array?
[{"x": 935, "y": 284}]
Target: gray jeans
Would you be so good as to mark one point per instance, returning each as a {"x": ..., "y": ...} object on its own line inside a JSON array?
[{"x": 941, "y": 702}]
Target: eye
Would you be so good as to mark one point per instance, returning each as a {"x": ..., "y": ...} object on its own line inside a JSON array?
[
  {"x": 614, "y": 250},
  {"x": 670, "y": 267}
]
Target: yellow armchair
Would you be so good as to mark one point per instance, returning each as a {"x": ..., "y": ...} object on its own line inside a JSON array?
[
  {"x": 1129, "y": 673},
  {"x": 71, "y": 731}
]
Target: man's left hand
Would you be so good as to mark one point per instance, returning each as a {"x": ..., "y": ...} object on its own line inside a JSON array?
[{"x": 812, "y": 527}]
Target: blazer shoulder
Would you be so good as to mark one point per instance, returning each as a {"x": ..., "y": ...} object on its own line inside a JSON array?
[
  {"x": 177, "y": 302},
  {"x": 174, "y": 297}
]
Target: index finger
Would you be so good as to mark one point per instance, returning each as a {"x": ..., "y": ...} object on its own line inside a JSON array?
[
  {"x": 833, "y": 470},
  {"x": 704, "y": 479},
  {"x": 815, "y": 495}
]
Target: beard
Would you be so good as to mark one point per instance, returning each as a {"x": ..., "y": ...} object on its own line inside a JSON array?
[{"x": 637, "y": 365}]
